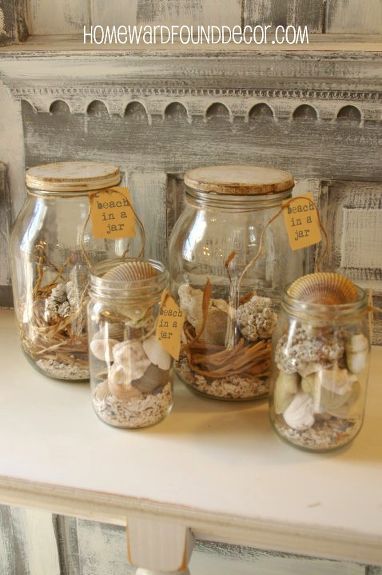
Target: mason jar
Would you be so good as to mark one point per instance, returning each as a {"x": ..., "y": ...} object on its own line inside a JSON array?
[
  {"x": 51, "y": 250},
  {"x": 129, "y": 370},
  {"x": 228, "y": 267},
  {"x": 321, "y": 361}
]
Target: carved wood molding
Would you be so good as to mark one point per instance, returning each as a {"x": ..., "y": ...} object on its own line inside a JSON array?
[{"x": 328, "y": 82}]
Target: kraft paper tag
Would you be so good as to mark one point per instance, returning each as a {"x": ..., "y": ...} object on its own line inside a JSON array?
[
  {"x": 169, "y": 325},
  {"x": 111, "y": 214},
  {"x": 302, "y": 223}
]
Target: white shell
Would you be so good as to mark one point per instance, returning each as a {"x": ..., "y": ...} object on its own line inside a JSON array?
[
  {"x": 336, "y": 380},
  {"x": 191, "y": 302},
  {"x": 119, "y": 383},
  {"x": 309, "y": 368},
  {"x": 131, "y": 356},
  {"x": 286, "y": 386},
  {"x": 156, "y": 354},
  {"x": 329, "y": 388},
  {"x": 102, "y": 348},
  {"x": 299, "y": 413},
  {"x": 357, "y": 352},
  {"x": 131, "y": 271}
]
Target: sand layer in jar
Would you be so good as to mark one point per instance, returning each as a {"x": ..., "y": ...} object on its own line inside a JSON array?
[
  {"x": 318, "y": 393},
  {"x": 326, "y": 434},
  {"x": 55, "y": 336},
  {"x": 227, "y": 351},
  {"x": 135, "y": 413}
]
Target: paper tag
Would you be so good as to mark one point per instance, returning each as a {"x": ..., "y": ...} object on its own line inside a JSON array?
[
  {"x": 111, "y": 214},
  {"x": 169, "y": 325},
  {"x": 301, "y": 221}
]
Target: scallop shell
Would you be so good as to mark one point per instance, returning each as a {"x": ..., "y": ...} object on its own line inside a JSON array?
[
  {"x": 324, "y": 288},
  {"x": 299, "y": 413},
  {"x": 156, "y": 354},
  {"x": 286, "y": 387},
  {"x": 152, "y": 381},
  {"x": 119, "y": 384},
  {"x": 102, "y": 348},
  {"x": 357, "y": 353},
  {"x": 131, "y": 271},
  {"x": 131, "y": 356}
]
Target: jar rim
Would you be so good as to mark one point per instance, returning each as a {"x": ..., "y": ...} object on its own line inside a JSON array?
[
  {"x": 126, "y": 289},
  {"x": 302, "y": 309},
  {"x": 245, "y": 202}
]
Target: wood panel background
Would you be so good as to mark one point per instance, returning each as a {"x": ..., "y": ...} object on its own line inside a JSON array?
[{"x": 18, "y": 18}]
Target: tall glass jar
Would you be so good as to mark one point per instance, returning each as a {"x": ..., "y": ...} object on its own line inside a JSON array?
[
  {"x": 321, "y": 360},
  {"x": 51, "y": 248},
  {"x": 129, "y": 370},
  {"x": 230, "y": 305}
]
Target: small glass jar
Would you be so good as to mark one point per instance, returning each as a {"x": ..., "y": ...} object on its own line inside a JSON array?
[
  {"x": 51, "y": 248},
  {"x": 321, "y": 360},
  {"x": 230, "y": 301},
  {"x": 129, "y": 370}
]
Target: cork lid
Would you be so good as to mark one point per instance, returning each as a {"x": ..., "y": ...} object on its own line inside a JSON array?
[
  {"x": 240, "y": 180},
  {"x": 72, "y": 176}
]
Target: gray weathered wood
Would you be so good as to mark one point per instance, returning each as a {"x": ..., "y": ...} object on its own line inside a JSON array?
[
  {"x": 13, "y": 21},
  {"x": 354, "y": 16},
  {"x": 285, "y": 12},
  {"x": 5, "y": 222},
  {"x": 189, "y": 12},
  {"x": 352, "y": 215},
  {"x": 47, "y": 17}
]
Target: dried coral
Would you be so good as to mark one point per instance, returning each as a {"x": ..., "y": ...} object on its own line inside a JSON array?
[
  {"x": 256, "y": 318},
  {"x": 295, "y": 351}
]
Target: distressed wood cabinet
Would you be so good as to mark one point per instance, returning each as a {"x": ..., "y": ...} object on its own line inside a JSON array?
[{"x": 316, "y": 110}]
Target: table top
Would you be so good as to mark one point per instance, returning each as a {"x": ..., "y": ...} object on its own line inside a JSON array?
[{"x": 216, "y": 466}]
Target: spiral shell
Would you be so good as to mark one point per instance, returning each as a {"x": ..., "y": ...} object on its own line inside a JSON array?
[
  {"x": 131, "y": 271},
  {"x": 324, "y": 288}
]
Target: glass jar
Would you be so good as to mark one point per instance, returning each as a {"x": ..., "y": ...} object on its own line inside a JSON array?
[
  {"x": 321, "y": 359},
  {"x": 230, "y": 301},
  {"x": 129, "y": 370},
  {"x": 51, "y": 248}
]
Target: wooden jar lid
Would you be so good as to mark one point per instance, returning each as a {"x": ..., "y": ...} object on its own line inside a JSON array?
[
  {"x": 72, "y": 176},
  {"x": 240, "y": 180}
]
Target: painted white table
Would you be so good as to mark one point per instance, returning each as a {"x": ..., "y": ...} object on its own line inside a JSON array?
[{"x": 212, "y": 469}]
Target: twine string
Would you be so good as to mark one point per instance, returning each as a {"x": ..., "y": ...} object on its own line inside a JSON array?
[{"x": 272, "y": 219}]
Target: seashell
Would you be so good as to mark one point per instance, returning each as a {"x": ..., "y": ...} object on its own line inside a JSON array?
[
  {"x": 102, "y": 348},
  {"x": 152, "y": 380},
  {"x": 286, "y": 387},
  {"x": 131, "y": 356},
  {"x": 102, "y": 391},
  {"x": 357, "y": 353},
  {"x": 324, "y": 288},
  {"x": 131, "y": 271},
  {"x": 119, "y": 384},
  {"x": 191, "y": 302},
  {"x": 299, "y": 413},
  {"x": 306, "y": 369},
  {"x": 156, "y": 354},
  {"x": 329, "y": 388}
]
